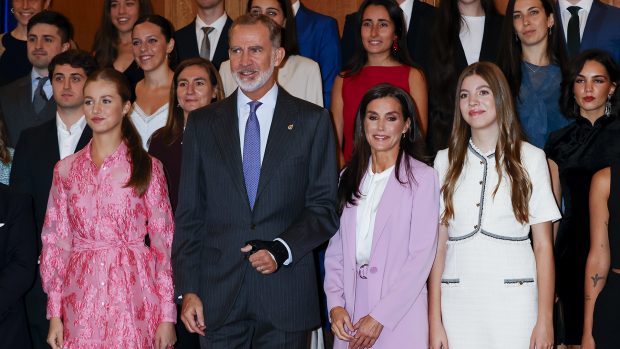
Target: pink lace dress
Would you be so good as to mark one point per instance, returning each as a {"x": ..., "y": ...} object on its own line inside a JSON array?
[{"x": 110, "y": 289}]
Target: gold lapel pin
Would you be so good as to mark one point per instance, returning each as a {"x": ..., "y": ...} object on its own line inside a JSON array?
[{"x": 290, "y": 127}]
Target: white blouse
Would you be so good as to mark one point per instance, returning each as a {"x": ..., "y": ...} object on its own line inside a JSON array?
[
  {"x": 472, "y": 32},
  {"x": 477, "y": 210},
  {"x": 371, "y": 188},
  {"x": 299, "y": 76},
  {"x": 148, "y": 124}
]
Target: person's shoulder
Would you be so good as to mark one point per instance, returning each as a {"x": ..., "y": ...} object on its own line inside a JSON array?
[
  {"x": 442, "y": 157},
  {"x": 12, "y": 199},
  {"x": 191, "y": 26},
  {"x": 421, "y": 167},
  {"x": 316, "y": 16},
  {"x": 530, "y": 154},
  {"x": 308, "y": 108},
  {"x": 423, "y": 8},
  {"x": 302, "y": 62},
  {"x": 9, "y": 90}
]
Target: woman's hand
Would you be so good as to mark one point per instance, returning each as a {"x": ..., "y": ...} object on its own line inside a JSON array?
[
  {"x": 55, "y": 336},
  {"x": 587, "y": 342},
  {"x": 367, "y": 331},
  {"x": 542, "y": 336},
  {"x": 438, "y": 337},
  {"x": 165, "y": 336},
  {"x": 339, "y": 319}
]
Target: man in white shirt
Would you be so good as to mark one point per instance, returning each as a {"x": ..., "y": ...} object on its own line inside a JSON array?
[
  {"x": 589, "y": 24},
  {"x": 211, "y": 21},
  {"x": 39, "y": 149},
  {"x": 246, "y": 228}
]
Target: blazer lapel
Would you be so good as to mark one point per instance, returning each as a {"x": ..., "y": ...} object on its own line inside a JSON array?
[
  {"x": 348, "y": 230},
  {"x": 388, "y": 204},
  {"x": 52, "y": 141},
  {"x": 87, "y": 134},
  {"x": 280, "y": 138},
  {"x": 593, "y": 26},
  {"x": 227, "y": 138}
]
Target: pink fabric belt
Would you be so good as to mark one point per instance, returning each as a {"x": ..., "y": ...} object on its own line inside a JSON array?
[{"x": 81, "y": 244}]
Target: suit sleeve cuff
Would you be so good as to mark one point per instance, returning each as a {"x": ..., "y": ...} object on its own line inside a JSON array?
[{"x": 289, "y": 260}]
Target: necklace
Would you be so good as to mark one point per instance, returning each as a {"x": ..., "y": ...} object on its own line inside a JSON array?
[{"x": 530, "y": 65}]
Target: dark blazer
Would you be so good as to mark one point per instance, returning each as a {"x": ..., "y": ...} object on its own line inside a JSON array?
[
  {"x": 602, "y": 29},
  {"x": 18, "y": 260},
  {"x": 186, "y": 43},
  {"x": 35, "y": 156},
  {"x": 418, "y": 35},
  {"x": 318, "y": 39},
  {"x": 17, "y": 109},
  {"x": 170, "y": 157},
  {"x": 295, "y": 201}
]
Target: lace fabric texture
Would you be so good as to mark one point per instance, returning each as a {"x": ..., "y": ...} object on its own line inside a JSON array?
[{"x": 109, "y": 288}]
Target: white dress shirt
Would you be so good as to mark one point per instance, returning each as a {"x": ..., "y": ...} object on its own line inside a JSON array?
[
  {"x": 47, "y": 87},
  {"x": 472, "y": 31},
  {"x": 264, "y": 114},
  {"x": 214, "y": 36},
  {"x": 407, "y": 7},
  {"x": 296, "y": 6},
  {"x": 68, "y": 138},
  {"x": 585, "y": 5},
  {"x": 148, "y": 124},
  {"x": 372, "y": 188}
]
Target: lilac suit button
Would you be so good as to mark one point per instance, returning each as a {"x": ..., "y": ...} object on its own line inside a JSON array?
[{"x": 373, "y": 270}]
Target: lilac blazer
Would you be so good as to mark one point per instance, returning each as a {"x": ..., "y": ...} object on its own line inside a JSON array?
[{"x": 403, "y": 250}]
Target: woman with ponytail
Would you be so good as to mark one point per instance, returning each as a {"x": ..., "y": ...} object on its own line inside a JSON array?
[{"x": 106, "y": 288}]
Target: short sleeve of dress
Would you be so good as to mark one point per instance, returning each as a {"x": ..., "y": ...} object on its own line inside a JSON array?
[
  {"x": 542, "y": 205},
  {"x": 441, "y": 166}
]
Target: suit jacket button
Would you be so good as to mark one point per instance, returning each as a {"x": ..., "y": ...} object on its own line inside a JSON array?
[
  {"x": 373, "y": 270},
  {"x": 253, "y": 226}
]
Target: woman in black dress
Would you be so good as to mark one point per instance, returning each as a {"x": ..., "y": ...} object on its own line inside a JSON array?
[{"x": 575, "y": 153}]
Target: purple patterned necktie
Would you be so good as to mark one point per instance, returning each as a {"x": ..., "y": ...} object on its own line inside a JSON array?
[{"x": 251, "y": 153}]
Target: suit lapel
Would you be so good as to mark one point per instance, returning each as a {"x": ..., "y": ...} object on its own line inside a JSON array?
[
  {"x": 593, "y": 26},
  {"x": 349, "y": 223},
  {"x": 24, "y": 94},
  {"x": 52, "y": 141},
  {"x": 226, "y": 131},
  {"x": 388, "y": 204},
  {"x": 280, "y": 138},
  {"x": 221, "y": 50},
  {"x": 87, "y": 134}
]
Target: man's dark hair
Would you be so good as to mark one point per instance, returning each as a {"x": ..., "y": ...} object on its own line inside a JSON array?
[
  {"x": 65, "y": 28},
  {"x": 76, "y": 59}
]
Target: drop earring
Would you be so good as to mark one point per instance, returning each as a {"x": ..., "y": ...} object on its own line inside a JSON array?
[{"x": 608, "y": 106}]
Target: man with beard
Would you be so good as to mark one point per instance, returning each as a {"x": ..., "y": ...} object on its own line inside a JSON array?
[
  {"x": 39, "y": 149},
  {"x": 207, "y": 35},
  {"x": 28, "y": 102},
  {"x": 258, "y": 194}
]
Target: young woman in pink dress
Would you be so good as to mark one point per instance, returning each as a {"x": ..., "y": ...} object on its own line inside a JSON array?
[{"x": 106, "y": 288}]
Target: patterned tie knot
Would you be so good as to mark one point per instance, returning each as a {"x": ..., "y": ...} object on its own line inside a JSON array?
[
  {"x": 254, "y": 105},
  {"x": 574, "y": 10}
]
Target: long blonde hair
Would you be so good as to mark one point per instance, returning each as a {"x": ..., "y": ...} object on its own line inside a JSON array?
[{"x": 507, "y": 150}]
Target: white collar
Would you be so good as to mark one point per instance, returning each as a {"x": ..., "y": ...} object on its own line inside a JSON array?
[
  {"x": 269, "y": 99},
  {"x": 80, "y": 124},
  {"x": 584, "y": 4},
  {"x": 296, "y": 7},
  {"x": 218, "y": 24},
  {"x": 407, "y": 7}
]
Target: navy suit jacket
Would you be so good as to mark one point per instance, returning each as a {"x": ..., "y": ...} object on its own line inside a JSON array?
[
  {"x": 318, "y": 39},
  {"x": 18, "y": 261},
  {"x": 36, "y": 154},
  {"x": 418, "y": 35},
  {"x": 296, "y": 201},
  {"x": 186, "y": 43},
  {"x": 602, "y": 29}
]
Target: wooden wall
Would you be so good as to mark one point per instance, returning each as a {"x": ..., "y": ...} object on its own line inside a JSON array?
[{"x": 86, "y": 15}]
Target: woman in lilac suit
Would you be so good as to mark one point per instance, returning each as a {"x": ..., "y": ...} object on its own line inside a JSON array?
[{"x": 377, "y": 263}]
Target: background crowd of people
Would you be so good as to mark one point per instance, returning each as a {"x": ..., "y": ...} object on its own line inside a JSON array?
[{"x": 433, "y": 178}]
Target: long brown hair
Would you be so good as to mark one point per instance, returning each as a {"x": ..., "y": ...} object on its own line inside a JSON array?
[
  {"x": 174, "y": 125},
  {"x": 105, "y": 47},
  {"x": 507, "y": 150},
  {"x": 140, "y": 160}
]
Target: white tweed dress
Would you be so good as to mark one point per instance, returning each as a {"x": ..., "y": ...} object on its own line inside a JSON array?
[{"x": 489, "y": 293}]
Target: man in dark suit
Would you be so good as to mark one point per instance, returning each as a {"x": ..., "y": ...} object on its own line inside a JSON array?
[
  {"x": 318, "y": 39},
  {"x": 420, "y": 18},
  {"x": 39, "y": 149},
  {"x": 27, "y": 101},
  {"x": 597, "y": 25},
  {"x": 212, "y": 20},
  {"x": 18, "y": 261},
  {"x": 258, "y": 194}
]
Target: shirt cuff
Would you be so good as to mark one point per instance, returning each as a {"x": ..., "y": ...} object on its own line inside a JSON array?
[{"x": 289, "y": 260}]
